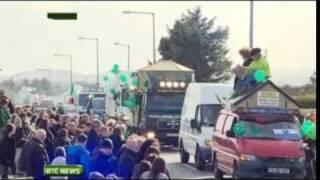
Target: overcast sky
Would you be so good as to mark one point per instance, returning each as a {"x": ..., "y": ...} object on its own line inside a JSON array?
[{"x": 29, "y": 39}]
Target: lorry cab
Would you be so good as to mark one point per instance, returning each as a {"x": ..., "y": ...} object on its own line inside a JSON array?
[
  {"x": 202, "y": 104},
  {"x": 257, "y": 135}
]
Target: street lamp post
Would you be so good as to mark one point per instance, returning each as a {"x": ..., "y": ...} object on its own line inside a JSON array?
[
  {"x": 97, "y": 43},
  {"x": 153, "y": 28},
  {"x": 70, "y": 58},
  {"x": 128, "y": 48}
]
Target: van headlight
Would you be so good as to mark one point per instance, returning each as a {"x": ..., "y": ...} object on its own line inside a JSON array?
[
  {"x": 247, "y": 157},
  {"x": 151, "y": 135}
]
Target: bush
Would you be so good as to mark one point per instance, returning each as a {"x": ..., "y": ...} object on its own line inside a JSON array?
[{"x": 307, "y": 102}]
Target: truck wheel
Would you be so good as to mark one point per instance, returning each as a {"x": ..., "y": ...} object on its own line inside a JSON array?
[
  {"x": 200, "y": 163},
  {"x": 184, "y": 156},
  {"x": 218, "y": 174}
]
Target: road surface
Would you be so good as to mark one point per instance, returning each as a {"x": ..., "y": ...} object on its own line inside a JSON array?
[{"x": 183, "y": 171}]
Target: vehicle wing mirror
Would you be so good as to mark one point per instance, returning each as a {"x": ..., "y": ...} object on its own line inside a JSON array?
[
  {"x": 194, "y": 124},
  {"x": 230, "y": 134}
]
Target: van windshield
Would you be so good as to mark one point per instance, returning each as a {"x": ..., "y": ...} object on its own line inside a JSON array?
[
  {"x": 277, "y": 130},
  {"x": 209, "y": 114}
]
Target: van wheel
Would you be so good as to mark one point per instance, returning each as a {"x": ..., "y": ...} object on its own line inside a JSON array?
[
  {"x": 200, "y": 163},
  {"x": 184, "y": 156},
  {"x": 218, "y": 174}
]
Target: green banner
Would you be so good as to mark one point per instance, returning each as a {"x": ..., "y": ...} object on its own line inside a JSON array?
[{"x": 63, "y": 170}]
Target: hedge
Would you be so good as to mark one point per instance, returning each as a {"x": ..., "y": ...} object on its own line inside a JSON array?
[{"x": 307, "y": 101}]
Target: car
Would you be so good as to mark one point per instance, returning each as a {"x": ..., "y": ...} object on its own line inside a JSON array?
[
  {"x": 257, "y": 142},
  {"x": 202, "y": 104}
]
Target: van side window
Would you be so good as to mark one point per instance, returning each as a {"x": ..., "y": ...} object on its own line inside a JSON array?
[
  {"x": 209, "y": 114},
  {"x": 228, "y": 125},
  {"x": 220, "y": 122}
]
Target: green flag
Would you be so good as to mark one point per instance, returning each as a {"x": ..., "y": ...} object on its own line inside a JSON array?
[{"x": 72, "y": 91}]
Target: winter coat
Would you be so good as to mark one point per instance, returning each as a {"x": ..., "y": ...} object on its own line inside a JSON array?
[
  {"x": 260, "y": 64},
  {"x": 104, "y": 164},
  {"x": 93, "y": 141},
  {"x": 49, "y": 144},
  {"x": 127, "y": 161},
  {"x": 58, "y": 141},
  {"x": 33, "y": 158},
  {"x": 7, "y": 151},
  {"x": 244, "y": 64},
  {"x": 78, "y": 154},
  {"x": 117, "y": 143}
]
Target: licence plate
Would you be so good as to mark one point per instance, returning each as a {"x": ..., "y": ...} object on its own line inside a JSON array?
[
  {"x": 279, "y": 170},
  {"x": 172, "y": 135}
]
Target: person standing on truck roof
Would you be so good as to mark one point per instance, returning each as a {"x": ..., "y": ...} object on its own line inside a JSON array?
[{"x": 245, "y": 53}]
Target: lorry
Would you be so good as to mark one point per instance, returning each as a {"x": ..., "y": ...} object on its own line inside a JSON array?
[{"x": 160, "y": 95}]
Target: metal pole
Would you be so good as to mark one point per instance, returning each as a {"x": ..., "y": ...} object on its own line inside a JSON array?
[
  {"x": 154, "y": 38},
  {"x": 128, "y": 57},
  {"x": 71, "y": 79},
  {"x": 97, "y": 62},
  {"x": 251, "y": 24}
]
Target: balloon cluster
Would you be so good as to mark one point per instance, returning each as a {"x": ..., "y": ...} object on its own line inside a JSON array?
[
  {"x": 115, "y": 80},
  {"x": 309, "y": 129}
]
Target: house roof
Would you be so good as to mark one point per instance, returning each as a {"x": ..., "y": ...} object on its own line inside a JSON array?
[
  {"x": 166, "y": 65},
  {"x": 240, "y": 98}
]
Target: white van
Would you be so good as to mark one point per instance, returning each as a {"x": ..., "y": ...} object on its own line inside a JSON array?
[{"x": 201, "y": 107}]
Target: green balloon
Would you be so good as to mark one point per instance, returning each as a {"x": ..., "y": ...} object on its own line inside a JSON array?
[
  {"x": 239, "y": 129},
  {"x": 105, "y": 78},
  {"x": 309, "y": 129},
  {"x": 115, "y": 69},
  {"x": 124, "y": 78},
  {"x": 256, "y": 130},
  {"x": 260, "y": 76},
  {"x": 136, "y": 82},
  {"x": 113, "y": 91}
]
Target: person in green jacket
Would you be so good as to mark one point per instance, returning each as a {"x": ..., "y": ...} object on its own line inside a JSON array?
[{"x": 259, "y": 63}]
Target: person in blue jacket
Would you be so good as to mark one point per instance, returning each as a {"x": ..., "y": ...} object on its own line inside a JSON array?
[
  {"x": 78, "y": 154},
  {"x": 104, "y": 161}
]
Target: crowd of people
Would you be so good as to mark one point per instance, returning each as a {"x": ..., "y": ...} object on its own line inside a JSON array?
[{"x": 34, "y": 138}]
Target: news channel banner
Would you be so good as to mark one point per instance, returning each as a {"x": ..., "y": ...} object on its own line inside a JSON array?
[{"x": 63, "y": 170}]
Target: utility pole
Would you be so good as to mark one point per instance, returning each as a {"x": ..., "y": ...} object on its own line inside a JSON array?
[{"x": 251, "y": 24}]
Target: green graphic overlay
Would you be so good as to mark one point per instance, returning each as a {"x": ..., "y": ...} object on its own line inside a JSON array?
[{"x": 63, "y": 170}]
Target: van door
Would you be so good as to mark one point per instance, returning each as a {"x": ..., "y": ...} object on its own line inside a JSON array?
[
  {"x": 195, "y": 134},
  {"x": 229, "y": 145},
  {"x": 219, "y": 142}
]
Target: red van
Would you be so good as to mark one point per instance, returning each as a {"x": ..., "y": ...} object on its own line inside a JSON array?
[{"x": 270, "y": 146}]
